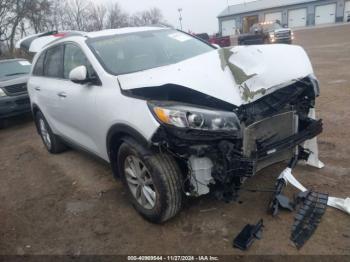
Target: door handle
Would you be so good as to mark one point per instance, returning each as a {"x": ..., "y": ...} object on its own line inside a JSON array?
[
  {"x": 37, "y": 88},
  {"x": 62, "y": 94}
]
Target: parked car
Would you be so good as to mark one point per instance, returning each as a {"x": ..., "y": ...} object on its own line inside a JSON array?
[
  {"x": 14, "y": 99},
  {"x": 174, "y": 116},
  {"x": 222, "y": 41},
  {"x": 267, "y": 33},
  {"x": 203, "y": 36}
]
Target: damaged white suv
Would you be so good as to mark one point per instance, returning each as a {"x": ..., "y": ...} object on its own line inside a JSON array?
[{"x": 173, "y": 115}]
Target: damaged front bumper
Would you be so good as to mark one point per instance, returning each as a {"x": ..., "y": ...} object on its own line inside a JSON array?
[{"x": 272, "y": 129}]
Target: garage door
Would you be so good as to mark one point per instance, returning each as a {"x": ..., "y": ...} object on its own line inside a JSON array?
[
  {"x": 297, "y": 18},
  {"x": 228, "y": 27},
  {"x": 325, "y": 14},
  {"x": 347, "y": 12},
  {"x": 272, "y": 17}
]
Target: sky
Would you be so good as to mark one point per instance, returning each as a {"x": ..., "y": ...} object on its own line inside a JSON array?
[{"x": 199, "y": 16}]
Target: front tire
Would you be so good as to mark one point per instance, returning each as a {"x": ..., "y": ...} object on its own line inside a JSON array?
[
  {"x": 52, "y": 142},
  {"x": 153, "y": 181}
]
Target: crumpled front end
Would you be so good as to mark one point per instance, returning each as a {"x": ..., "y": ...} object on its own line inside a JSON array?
[
  {"x": 271, "y": 129},
  {"x": 229, "y": 113}
]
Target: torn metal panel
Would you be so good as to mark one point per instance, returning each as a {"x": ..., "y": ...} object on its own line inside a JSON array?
[{"x": 238, "y": 76}]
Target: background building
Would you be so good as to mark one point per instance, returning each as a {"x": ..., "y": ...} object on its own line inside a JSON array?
[{"x": 291, "y": 13}]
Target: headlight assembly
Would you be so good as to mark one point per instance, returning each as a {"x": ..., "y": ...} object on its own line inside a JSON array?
[
  {"x": 2, "y": 93},
  {"x": 183, "y": 116}
]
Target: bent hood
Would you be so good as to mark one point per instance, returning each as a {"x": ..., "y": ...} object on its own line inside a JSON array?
[{"x": 237, "y": 75}]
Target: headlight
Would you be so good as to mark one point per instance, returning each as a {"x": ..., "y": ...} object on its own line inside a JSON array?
[
  {"x": 2, "y": 93},
  {"x": 272, "y": 35},
  {"x": 184, "y": 116}
]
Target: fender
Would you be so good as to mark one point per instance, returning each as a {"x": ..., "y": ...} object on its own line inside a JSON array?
[{"x": 116, "y": 135}]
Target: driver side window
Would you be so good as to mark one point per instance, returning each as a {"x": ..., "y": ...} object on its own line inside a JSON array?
[{"x": 74, "y": 57}]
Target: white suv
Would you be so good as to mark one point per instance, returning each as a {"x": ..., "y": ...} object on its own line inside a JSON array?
[{"x": 172, "y": 114}]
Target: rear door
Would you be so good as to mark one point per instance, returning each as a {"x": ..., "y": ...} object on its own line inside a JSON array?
[
  {"x": 45, "y": 83},
  {"x": 77, "y": 112}
]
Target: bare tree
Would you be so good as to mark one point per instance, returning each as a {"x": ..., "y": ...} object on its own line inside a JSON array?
[
  {"x": 76, "y": 14},
  {"x": 97, "y": 17},
  {"x": 148, "y": 17},
  {"x": 116, "y": 17},
  {"x": 38, "y": 14},
  {"x": 16, "y": 15}
]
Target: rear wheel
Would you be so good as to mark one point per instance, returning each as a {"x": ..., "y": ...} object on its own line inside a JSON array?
[
  {"x": 52, "y": 142},
  {"x": 153, "y": 181}
]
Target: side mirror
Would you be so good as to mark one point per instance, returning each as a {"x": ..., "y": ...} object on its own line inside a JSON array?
[
  {"x": 78, "y": 75},
  {"x": 217, "y": 46}
]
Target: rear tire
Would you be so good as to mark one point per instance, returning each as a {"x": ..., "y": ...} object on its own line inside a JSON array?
[
  {"x": 156, "y": 193},
  {"x": 51, "y": 141}
]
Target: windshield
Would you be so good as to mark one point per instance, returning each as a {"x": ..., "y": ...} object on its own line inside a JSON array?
[
  {"x": 122, "y": 54},
  {"x": 12, "y": 68}
]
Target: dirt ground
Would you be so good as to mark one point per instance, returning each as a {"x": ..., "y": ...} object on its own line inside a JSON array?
[{"x": 70, "y": 204}]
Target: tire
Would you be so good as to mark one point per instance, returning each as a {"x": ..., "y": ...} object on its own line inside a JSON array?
[
  {"x": 51, "y": 141},
  {"x": 161, "y": 183}
]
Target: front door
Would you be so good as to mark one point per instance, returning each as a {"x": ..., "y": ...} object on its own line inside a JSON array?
[{"x": 78, "y": 101}]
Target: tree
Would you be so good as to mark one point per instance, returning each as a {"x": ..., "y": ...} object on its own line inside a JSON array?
[
  {"x": 76, "y": 15},
  {"x": 148, "y": 17},
  {"x": 97, "y": 17},
  {"x": 38, "y": 13},
  {"x": 116, "y": 17}
]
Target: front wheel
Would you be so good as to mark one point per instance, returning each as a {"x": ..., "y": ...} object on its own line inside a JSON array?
[{"x": 153, "y": 181}]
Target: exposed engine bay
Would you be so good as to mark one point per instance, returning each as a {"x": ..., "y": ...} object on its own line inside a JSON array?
[{"x": 269, "y": 130}]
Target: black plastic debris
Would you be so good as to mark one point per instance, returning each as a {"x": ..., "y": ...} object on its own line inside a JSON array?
[
  {"x": 279, "y": 200},
  {"x": 247, "y": 236},
  {"x": 308, "y": 217}
]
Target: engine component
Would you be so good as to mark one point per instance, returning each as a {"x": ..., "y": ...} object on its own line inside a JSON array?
[
  {"x": 247, "y": 236},
  {"x": 308, "y": 216},
  {"x": 201, "y": 168}
]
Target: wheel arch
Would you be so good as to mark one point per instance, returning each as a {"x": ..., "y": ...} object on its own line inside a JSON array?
[{"x": 118, "y": 134}]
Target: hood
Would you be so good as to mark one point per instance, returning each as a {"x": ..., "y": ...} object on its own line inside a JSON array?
[
  {"x": 13, "y": 80},
  {"x": 237, "y": 75}
]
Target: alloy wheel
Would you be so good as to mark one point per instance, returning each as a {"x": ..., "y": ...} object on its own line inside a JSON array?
[{"x": 140, "y": 182}]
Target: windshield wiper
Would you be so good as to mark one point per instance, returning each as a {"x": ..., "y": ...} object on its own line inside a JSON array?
[{"x": 20, "y": 73}]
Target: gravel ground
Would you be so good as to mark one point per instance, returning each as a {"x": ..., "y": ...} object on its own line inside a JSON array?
[{"x": 70, "y": 204}]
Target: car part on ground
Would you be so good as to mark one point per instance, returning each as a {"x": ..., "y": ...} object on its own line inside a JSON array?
[
  {"x": 340, "y": 203},
  {"x": 248, "y": 234},
  {"x": 308, "y": 217}
]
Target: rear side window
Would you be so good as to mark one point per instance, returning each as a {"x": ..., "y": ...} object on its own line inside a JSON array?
[
  {"x": 54, "y": 62},
  {"x": 39, "y": 66}
]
